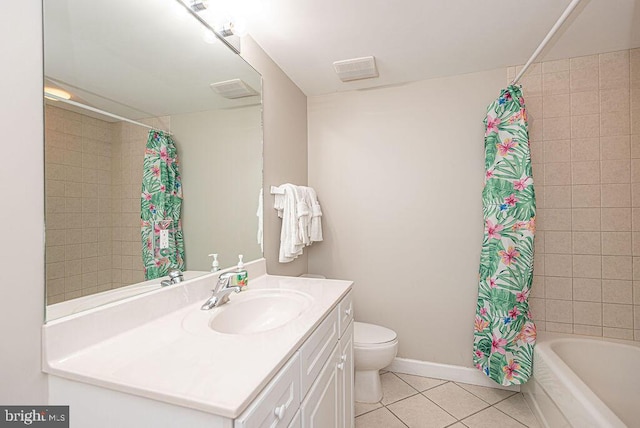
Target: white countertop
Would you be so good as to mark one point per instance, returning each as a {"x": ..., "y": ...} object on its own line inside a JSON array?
[{"x": 200, "y": 369}]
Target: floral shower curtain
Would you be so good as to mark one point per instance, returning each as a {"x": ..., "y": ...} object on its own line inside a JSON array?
[
  {"x": 162, "y": 240},
  {"x": 504, "y": 333}
]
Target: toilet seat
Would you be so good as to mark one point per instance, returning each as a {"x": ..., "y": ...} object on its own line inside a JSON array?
[{"x": 372, "y": 336}]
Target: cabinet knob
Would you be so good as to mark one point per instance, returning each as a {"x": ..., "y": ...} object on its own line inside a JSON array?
[
  {"x": 279, "y": 411},
  {"x": 343, "y": 358},
  {"x": 347, "y": 311},
  {"x": 340, "y": 366}
]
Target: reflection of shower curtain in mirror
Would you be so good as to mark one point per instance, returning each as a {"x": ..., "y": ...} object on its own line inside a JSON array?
[
  {"x": 162, "y": 240},
  {"x": 504, "y": 331}
]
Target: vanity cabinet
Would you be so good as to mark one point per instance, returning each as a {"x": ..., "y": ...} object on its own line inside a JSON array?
[
  {"x": 330, "y": 400},
  {"x": 171, "y": 371},
  {"x": 320, "y": 373},
  {"x": 346, "y": 377},
  {"x": 346, "y": 363}
]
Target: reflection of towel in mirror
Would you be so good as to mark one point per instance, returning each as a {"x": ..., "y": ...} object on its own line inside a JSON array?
[
  {"x": 300, "y": 212},
  {"x": 259, "y": 213}
]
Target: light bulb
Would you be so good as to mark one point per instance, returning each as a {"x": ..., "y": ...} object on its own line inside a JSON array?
[
  {"x": 239, "y": 27},
  {"x": 208, "y": 36},
  {"x": 57, "y": 92}
]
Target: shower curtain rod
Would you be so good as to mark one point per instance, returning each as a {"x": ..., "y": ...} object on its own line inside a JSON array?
[
  {"x": 96, "y": 110},
  {"x": 544, "y": 42}
]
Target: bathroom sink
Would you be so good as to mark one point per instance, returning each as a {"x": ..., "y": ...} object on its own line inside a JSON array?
[
  {"x": 250, "y": 312},
  {"x": 255, "y": 311}
]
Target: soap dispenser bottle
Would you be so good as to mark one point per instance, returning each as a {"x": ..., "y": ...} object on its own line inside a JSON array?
[
  {"x": 241, "y": 279},
  {"x": 215, "y": 265}
]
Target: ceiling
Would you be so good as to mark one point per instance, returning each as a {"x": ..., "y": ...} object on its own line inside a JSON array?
[
  {"x": 421, "y": 39},
  {"x": 165, "y": 68},
  {"x": 138, "y": 59}
]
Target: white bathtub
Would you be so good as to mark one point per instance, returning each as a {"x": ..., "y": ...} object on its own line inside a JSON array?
[
  {"x": 585, "y": 382},
  {"x": 73, "y": 306}
]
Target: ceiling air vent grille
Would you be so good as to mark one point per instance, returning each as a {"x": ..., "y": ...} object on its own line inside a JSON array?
[
  {"x": 356, "y": 69},
  {"x": 232, "y": 89}
]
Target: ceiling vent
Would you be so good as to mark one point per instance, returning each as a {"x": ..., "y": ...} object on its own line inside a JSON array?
[
  {"x": 356, "y": 69},
  {"x": 232, "y": 89}
]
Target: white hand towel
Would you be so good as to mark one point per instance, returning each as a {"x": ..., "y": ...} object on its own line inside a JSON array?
[
  {"x": 315, "y": 225},
  {"x": 290, "y": 246},
  {"x": 301, "y": 219},
  {"x": 303, "y": 213}
]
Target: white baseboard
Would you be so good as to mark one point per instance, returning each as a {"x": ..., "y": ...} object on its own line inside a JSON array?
[{"x": 445, "y": 371}]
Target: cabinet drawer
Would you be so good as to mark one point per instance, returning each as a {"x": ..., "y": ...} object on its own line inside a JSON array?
[
  {"x": 345, "y": 312},
  {"x": 316, "y": 350},
  {"x": 278, "y": 402}
]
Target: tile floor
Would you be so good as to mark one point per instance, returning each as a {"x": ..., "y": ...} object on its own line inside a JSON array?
[{"x": 422, "y": 402}]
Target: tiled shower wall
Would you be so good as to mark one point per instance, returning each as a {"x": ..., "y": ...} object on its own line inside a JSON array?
[
  {"x": 127, "y": 157},
  {"x": 584, "y": 116},
  {"x": 78, "y": 204},
  {"x": 93, "y": 178}
]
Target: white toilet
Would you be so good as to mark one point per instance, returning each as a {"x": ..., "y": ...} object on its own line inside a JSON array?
[{"x": 374, "y": 348}]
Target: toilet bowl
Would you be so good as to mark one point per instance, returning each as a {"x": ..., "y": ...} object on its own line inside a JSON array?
[{"x": 374, "y": 347}]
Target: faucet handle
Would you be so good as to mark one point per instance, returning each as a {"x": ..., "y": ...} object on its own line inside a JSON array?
[
  {"x": 223, "y": 281},
  {"x": 175, "y": 273}
]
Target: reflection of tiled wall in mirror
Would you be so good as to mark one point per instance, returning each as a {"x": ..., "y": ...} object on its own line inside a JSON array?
[
  {"x": 93, "y": 178},
  {"x": 584, "y": 117}
]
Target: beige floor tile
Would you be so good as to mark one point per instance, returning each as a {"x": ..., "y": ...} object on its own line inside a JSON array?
[
  {"x": 517, "y": 408},
  {"x": 381, "y": 418},
  {"x": 362, "y": 408},
  {"x": 490, "y": 418},
  {"x": 490, "y": 395},
  {"x": 420, "y": 383},
  {"x": 394, "y": 389},
  {"x": 419, "y": 412},
  {"x": 457, "y": 425},
  {"x": 455, "y": 400}
]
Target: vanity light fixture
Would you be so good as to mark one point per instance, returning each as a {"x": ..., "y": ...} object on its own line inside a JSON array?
[
  {"x": 225, "y": 29},
  {"x": 356, "y": 68},
  {"x": 230, "y": 27},
  {"x": 198, "y": 5},
  {"x": 56, "y": 92},
  {"x": 232, "y": 89}
]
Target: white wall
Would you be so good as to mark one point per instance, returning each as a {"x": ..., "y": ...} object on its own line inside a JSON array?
[
  {"x": 22, "y": 213},
  {"x": 22, "y": 303},
  {"x": 285, "y": 147},
  {"x": 399, "y": 174},
  {"x": 409, "y": 157},
  {"x": 216, "y": 148}
]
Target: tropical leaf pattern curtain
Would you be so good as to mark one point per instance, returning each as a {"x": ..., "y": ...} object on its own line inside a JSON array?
[
  {"x": 161, "y": 202},
  {"x": 505, "y": 334}
]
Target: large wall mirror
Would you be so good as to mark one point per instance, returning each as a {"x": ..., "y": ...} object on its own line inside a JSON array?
[{"x": 129, "y": 67}]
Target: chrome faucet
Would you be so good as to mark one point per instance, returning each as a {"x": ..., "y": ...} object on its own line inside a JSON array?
[
  {"x": 221, "y": 292},
  {"x": 175, "y": 276}
]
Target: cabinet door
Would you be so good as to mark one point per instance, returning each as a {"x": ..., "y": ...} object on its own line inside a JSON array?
[
  {"x": 321, "y": 408},
  {"x": 277, "y": 403},
  {"x": 346, "y": 375},
  {"x": 297, "y": 421},
  {"x": 345, "y": 312},
  {"x": 315, "y": 352}
]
